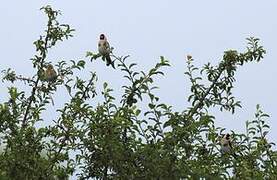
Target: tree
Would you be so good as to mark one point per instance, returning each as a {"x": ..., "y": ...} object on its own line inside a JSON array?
[{"x": 136, "y": 136}]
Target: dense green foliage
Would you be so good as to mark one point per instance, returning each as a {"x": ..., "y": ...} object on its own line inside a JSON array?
[{"x": 134, "y": 137}]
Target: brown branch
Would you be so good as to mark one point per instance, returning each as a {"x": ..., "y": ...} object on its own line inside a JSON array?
[
  {"x": 68, "y": 130},
  {"x": 201, "y": 100},
  {"x": 25, "y": 79},
  {"x": 32, "y": 96}
]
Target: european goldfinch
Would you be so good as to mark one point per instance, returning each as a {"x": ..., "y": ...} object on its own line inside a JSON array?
[
  {"x": 225, "y": 143},
  {"x": 105, "y": 50}
]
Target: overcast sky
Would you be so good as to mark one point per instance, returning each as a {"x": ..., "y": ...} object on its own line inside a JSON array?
[{"x": 148, "y": 29}]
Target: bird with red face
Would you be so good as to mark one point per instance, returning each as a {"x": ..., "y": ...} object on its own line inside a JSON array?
[
  {"x": 105, "y": 50},
  {"x": 225, "y": 143},
  {"x": 226, "y": 146}
]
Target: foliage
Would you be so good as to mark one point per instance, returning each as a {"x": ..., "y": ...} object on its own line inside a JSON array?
[{"x": 134, "y": 137}]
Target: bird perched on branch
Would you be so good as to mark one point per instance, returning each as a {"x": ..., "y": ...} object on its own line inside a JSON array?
[
  {"x": 105, "y": 50},
  {"x": 50, "y": 73},
  {"x": 225, "y": 143},
  {"x": 226, "y": 146}
]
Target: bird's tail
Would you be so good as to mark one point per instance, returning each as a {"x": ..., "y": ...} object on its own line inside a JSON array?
[{"x": 109, "y": 61}]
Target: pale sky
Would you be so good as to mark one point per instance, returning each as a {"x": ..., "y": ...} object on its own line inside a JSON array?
[{"x": 148, "y": 29}]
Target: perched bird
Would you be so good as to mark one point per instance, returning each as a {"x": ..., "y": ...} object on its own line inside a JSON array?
[
  {"x": 226, "y": 146},
  {"x": 189, "y": 57},
  {"x": 105, "y": 50},
  {"x": 225, "y": 142},
  {"x": 50, "y": 73}
]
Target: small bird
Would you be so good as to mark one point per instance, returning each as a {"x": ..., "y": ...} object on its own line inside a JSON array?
[
  {"x": 189, "y": 57},
  {"x": 225, "y": 142},
  {"x": 105, "y": 50},
  {"x": 50, "y": 73}
]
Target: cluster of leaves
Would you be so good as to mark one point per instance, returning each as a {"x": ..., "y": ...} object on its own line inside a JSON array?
[{"x": 135, "y": 137}]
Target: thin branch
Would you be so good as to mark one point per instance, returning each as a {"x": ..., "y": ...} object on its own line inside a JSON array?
[
  {"x": 207, "y": 92},
  {"x": 25, "y": 79},
  {"x": 32, "y": 96},
  {"x": 62, "y": 145}
]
